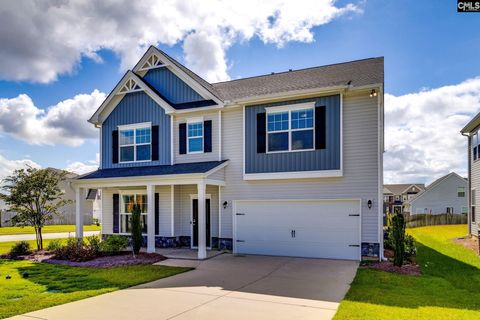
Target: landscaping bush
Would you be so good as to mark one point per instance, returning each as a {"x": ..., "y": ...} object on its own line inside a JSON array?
[
  {"x": 113, "y": 244},
  {"x": 410, "y": 248},
  {"x": 54, "y": 245},
  {"x": 136, "y": 229},
  {"x": 75, "y": 250},
  {"x": 19, "y": 249},
  {"x": 398, "y": 232},
  {"x": 93, "y": 244}
]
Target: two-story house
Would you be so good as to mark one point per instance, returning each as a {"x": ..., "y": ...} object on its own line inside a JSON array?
[
  {"x": 285, "y": 164},
  {"x": 396, "y": 195},
  {"x": 471, "y": 131}
]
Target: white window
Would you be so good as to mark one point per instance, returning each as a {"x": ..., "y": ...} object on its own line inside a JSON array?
[
  {"x": 135, "y": 143},
  {"x": 126, "y": 207},
  {"x": 290, "y": 128},
  {"x": 461, "y": 192},
  {"x": 464, "y": 210},
  {"x": 195, "y": 136}
]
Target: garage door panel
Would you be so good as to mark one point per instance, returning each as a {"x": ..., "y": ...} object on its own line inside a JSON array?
[{"x": 323, "y": 229}]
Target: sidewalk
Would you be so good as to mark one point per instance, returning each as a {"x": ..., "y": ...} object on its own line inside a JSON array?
[{"x": 20, "y": 237}]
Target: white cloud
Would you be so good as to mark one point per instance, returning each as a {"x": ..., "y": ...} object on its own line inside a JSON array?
[
  {"x": 84, "y": 167},
  {"x": 44, "y": 39},
  {"x": 7, "y": 166},
  {"x": 64, "y": 123},
  {"x": 422, "y": 132}
]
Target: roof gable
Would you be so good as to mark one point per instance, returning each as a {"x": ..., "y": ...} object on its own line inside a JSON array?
[
  {"x": 128, "y": 84},
  {"x": 438, "y": 182}
]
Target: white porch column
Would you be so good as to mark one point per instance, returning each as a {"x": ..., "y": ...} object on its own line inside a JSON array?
[
  {"x": 79, "y": 199},
  {"x": 151, "y": 218},
  {"x": 202, "y": 249}
]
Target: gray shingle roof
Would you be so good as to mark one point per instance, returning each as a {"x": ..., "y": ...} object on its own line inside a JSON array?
[
  {"x": 397, "y": 189},
  {"x": 355, "y": 73}
]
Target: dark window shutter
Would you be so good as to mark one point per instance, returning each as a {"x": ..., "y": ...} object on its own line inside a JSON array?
[
  {"x": 155, "y": 139},
  {"x": 115, "y": 146},
  {"x": 261, "y": 132},
  {"x": 157, "y": 213},
  {"x": 207, "y": 136},
  {"x": 182, "y": 136},
  {"x": 116, "y": 213},
  {"x": 320, "y": 128}
]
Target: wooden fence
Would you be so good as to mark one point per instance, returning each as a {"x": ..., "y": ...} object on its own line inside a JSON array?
[
  {"x": 421, "y": 220},
  {"x": 64, "y": 218}
]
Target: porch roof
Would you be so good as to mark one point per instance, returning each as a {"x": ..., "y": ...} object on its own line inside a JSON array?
[{"x": 180, "y": 168}]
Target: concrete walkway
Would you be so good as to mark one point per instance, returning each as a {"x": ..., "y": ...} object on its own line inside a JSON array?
[
  {"x": 21, "y": 237},
  {"x": 224, "y": 287}
]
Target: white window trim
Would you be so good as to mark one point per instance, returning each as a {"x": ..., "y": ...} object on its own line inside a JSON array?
[
  {"x": 134, "y": 127},
  {"x": 464, "y": 192},
  {"x": 289, "y": 109},
  {"x": 194, "y": 121},
  {"x": 122, "y": 206}
]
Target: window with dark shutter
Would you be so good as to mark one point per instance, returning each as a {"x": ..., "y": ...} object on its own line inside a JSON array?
[
  {"x": 261, "y": 132},
  {"x": 155, "y": 142},
  {"x": 115, "y": 146},
  {"x": 207, "y": 136},
  {"x": 320, "y": 128},
  {"x": 182, "y": 136}
]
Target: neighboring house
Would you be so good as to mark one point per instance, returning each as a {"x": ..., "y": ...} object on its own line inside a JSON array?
[
  {"x": 445, "y": 195},
  {"x": 284, "y": 164},
  {"x": 66, "y": 213},
  {"x": 473, "y": 152},
  {"x": 395, "y": 195}
]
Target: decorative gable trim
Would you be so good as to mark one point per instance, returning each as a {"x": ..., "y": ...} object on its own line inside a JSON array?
[
  {"x": 128, "y": 84},
  {"x": 152, "y": 62},
  {"x": 166, "y": 61}
]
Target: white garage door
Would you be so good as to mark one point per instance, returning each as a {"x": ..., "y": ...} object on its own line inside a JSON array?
[{"x": 314, "y": 229}]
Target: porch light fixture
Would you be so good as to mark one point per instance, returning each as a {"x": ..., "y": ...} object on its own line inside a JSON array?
[
  {"x": 225, "y": 205},
  {"x": 369, "y": 204},
  {"x": 373, "y": 93}
]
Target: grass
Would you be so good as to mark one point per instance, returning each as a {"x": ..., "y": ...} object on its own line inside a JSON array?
[
  {"x": 6, "y": 246},
  {"x": 448, "y": 289},
  {"x": 49, "y": 285},
  {"x": 47, "y": 229}
]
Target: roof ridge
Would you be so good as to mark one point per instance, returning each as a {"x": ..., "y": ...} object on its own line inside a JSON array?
[{"x": 296, "y": 70}]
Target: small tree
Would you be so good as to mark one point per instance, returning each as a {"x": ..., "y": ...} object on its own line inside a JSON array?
[
  {"x": 398, "y": 231},
  {"x": 136, "y": 229},
  {"x": 34, "y": 195}
]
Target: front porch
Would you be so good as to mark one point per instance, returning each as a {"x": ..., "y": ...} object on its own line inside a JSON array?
[{"x": 178, "y": 210}]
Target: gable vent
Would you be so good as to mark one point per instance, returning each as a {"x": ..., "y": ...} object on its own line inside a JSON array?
[
  {"x": 152, "y": 62},
  {"x": 130, "y": 86}
]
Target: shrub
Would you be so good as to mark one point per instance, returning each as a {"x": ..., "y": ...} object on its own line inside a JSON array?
[
  {"x": 93, "y": 244},
  {"x": 20, "y": 248},
  {"x": 398, "y": 232},
  {"x": 75, "y": 250},
  {"x": 410, "y": 248},
  {"x": 136, "y": 229},
  {"x": 113, "y": 244},
  {"x": 54, "y": 245}
]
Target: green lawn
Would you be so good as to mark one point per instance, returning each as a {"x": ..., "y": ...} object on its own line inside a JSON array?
[
  {"x": 448, "y": 289},
  {"x": 47, "y": 229},
  {"x": 6, "y": 246},
  {"x": 50, "y": 285}
]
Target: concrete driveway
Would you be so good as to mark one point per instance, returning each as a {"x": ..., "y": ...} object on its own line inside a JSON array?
[{"x": 224, "y": 287}]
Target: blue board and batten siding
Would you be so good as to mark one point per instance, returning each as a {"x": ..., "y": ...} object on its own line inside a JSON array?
[
  {"x": 325, "y": 159},
  {"x": 171, "y": 86},
  {"x": 134, "y": 108}
]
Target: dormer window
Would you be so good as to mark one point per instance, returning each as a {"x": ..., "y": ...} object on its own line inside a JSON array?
[{"x": 135, "y": 143}]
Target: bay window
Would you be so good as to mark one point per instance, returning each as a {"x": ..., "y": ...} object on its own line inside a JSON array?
[
  {"x": 126, "y": 208},
  {"x": 290, "y": 128},
  {"x": 135, "y": 143}
]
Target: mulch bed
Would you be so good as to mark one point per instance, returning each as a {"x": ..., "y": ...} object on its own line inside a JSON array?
[
  {"x": 112, "y": 261},
  {"x": 468, "y": 242},
  {"x": 408, "y": 269}
]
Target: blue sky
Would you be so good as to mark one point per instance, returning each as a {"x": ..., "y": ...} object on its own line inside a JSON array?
[{"x": 426, "y": 45}]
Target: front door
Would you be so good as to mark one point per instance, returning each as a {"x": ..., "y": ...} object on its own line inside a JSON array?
[{"x": 195, "y": 224}]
